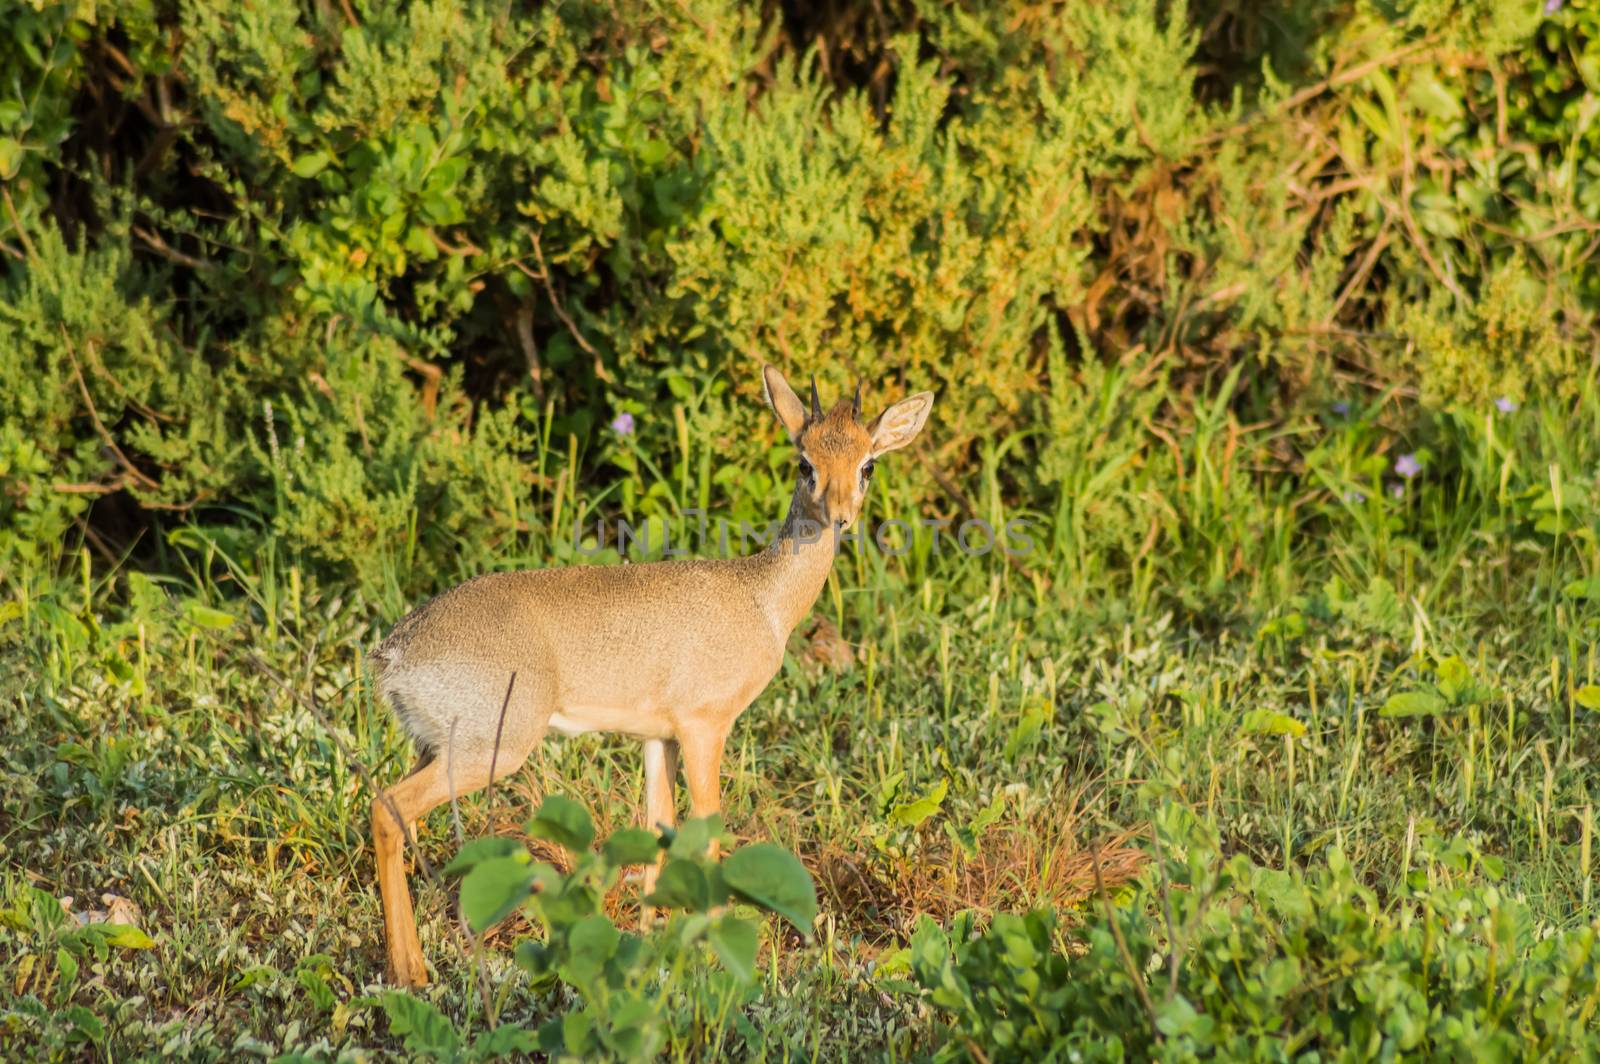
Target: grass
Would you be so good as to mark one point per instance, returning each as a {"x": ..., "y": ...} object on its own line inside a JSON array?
[{"x": 1195, "y": 629}]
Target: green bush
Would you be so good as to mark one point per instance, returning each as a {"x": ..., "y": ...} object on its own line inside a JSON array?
[
  {"x": 629, "y": 984},
  {"x": 1225, "y": 959},
  {"x": 559, "y": 215}
]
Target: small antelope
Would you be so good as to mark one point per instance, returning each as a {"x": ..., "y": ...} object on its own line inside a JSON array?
[{"x": 669, "y": 652}]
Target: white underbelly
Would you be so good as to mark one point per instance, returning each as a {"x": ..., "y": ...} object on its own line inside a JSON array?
[{"x": 580, "y": 720}]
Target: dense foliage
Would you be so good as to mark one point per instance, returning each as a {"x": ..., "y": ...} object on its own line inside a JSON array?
[
  {"x": 1274, "y": 322},
  {"x": 1258, "y": 963},
  {"x": 338, "y": 268}
]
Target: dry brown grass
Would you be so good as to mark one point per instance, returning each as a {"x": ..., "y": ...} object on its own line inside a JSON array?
[{"x": 1042, "y": 860}]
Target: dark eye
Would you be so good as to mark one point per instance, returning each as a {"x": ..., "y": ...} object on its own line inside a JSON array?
[
  {"x": 866, "y": 470},
  {"x": 806, "y": 472}
]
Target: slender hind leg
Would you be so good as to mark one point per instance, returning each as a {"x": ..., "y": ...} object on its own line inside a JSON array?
[
  {"x": 425, "y": 789},
  {"x": 660, "y": 774}
]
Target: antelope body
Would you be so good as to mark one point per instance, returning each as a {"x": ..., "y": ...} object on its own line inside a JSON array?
[{"x": 668, "y": 652}]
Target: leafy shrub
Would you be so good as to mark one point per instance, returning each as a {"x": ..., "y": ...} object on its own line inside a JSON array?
[
  {"x": 432, "y": 233},
  {"x": 60, "y": 945},
  {"x": 1231, "y": 960},
  {"x": 626, "y": 982}
]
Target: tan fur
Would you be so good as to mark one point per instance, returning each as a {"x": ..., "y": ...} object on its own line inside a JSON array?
[{"x": 669, "y": 652}]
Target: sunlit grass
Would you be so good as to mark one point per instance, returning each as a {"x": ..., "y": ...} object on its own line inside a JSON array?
[{"x": 1056, "y": 701}]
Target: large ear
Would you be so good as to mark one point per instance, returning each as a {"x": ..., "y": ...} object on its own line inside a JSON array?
[
  {"x": 899, "y": 425},
  {"x": 791, "y": 412}
]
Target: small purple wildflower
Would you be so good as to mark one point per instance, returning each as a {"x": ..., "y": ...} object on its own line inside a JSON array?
[
  {"x": 1341, "y": 408},
  {"x": 1354, "y": 496},
  {"x": 1505, "y": 405},
  {"x": 622, "y": 424},
  {"x": 1407, "y": 466},
  {"x": 1397, "y": 489},
  {"x": 1552, "y": 6}
]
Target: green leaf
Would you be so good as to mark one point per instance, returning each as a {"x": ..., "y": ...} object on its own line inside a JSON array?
[
  {"x": 1271, "y": 722},
  {"x": 682, "y": 885},
  {"x": 590, "y": 943},
  {"x": 694, "y": 837},
  {"x": 11, "y": 153},
  {"x": 563, "y": 822},
  {"x": 477, "y": 851},
  {"x": 1454, "y": 678},
  {"x": 493, "y": 889},
  {"x": 773, "y": 878},
  {"x": 1588, "y": 696},
  {"x": 85, "y": 1023},
  {"x": 205, "y": 616},
  {"x": 736, "y": 942},
  {"x": 507, "y": 1040},
  {"x": 67, "y": 966},
  {"x": 126, "y": 936},
  {"x": 423, "y": 1027},
  {"x": 631, "y": 846},
  {"x": 1034, "y": 717},
  {"x": 310, "y": 164},
  {"x": 1420, "y": 703},
  {"x": 1588, "y": 590},
  {"x": 910, "y": 814}
]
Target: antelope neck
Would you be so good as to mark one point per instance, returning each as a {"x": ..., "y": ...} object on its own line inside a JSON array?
[{"x": 793, "y": 568}]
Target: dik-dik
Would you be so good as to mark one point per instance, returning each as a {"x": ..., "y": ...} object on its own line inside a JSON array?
[{"x": 670, "y": 652}]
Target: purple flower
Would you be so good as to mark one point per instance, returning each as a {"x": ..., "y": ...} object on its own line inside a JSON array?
[
  {"x": 1552, "y": 6},
  {"x": 1354, "y": 496},
  {"x": 622, "y": 424},
  {"x": 1397, "y": 489},
  {"x": 1341, "y": 408},
  {"x": 1505, "y": 405},
  {"x": 1407, "y": 466}
]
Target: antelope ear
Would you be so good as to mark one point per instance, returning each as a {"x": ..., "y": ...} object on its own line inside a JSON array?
[
  {"x": 791, "y": 412},
  {"x": 899, "y": 425}
]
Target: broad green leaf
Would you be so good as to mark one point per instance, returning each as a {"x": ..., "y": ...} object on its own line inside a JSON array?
[
  {"x": 310, "y": 164},
  {"x": 1588, "y": 696},
  {"x": 577, "y": 1033},
  {"x": 205, "y": 616},
  {"x": 505, "y": 1042},
  {"x": 479, "y": 850},
  {"x": 1034, "y": 717},
  {"x": 682, "y": 885},
  {"x": 493, "y": 889},
  {"x": 694, "y": 837},
  {"x": 423, "y": 1027},
  {"x": 86, "y": 1023},
  {"x": 67, "y": 974},
  {"x": 1419, "y": 703},
  {"x": 563, "y": 822},
  {"x": 773, "y": 878},
  {"x": 631, "y": 846},
  {"x": 11, "y": 153},
  {"x": 1271, "y": 722},
  {"x": 1454, "y": 678},
  {"x": 590, "y": 943},
  {"x": 1583, "y": 589},
  {"x": 736, "y": 942},
  {"x": 126, "y": 936},
  {"x": 912, "y": 813}
]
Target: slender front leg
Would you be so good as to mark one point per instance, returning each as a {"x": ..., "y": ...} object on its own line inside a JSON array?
[
  {"x": 660, "y": 773},
  {"x": 702, "y": 764}
]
